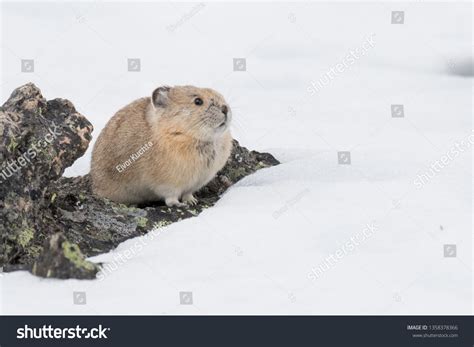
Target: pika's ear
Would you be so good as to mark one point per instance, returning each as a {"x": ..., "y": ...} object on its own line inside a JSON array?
[{"x": 159, "y": 97}]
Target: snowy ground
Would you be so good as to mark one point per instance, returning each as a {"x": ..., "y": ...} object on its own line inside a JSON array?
[{"x": 376, "y": 229}]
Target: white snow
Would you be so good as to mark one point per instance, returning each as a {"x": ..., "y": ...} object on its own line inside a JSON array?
[{"x": 253, "y": 253}]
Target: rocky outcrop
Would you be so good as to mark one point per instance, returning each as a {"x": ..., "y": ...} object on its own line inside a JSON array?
[{"x": 50, "y": 223}]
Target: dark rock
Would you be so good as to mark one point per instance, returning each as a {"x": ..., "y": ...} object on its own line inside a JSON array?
[
  {"x": 39, "y": 140},
  {"x": 41, "y": 211},
  {"x": 62, "y": 259}
]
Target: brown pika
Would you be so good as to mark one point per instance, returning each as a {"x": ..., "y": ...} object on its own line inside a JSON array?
[{"x": 163, "y": 147}]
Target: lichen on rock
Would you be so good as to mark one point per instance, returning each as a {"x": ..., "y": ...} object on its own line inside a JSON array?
[
  {"x": 36, "y": 145},
  {"x": 49, "y": 223},
  {"x": 62, "y": 259}
]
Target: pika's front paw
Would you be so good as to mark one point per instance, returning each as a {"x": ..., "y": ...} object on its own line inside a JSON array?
[
  {"x": 190, "y": 199},
  {"x": 170, "y": 202}
]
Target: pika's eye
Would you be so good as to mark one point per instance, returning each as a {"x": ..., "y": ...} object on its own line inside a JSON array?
[{"x": 198, "y": 101}]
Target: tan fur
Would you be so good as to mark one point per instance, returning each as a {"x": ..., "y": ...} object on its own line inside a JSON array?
[{"x": 189, "y": 144}]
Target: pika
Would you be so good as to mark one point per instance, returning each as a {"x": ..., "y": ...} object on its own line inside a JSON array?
[{"x": 163, "y": 147}]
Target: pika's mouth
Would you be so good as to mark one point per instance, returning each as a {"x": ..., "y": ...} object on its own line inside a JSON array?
[{"x": 224, "y": 123}]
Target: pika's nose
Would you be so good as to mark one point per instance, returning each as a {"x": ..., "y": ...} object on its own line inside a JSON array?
[{"x": 225, "y": 109}]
